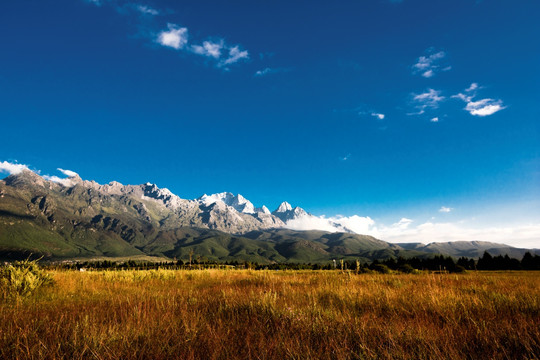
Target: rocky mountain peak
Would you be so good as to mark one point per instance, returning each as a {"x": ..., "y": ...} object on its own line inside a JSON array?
[
  {"x": 263, "y": 210},
  {"x": 286, "y": 212},
  {"x": 283, "y": 207},
  {"x": 25, "y": 177},
  {"x": 164, "y": 195},
  {"x": 238, "y": 202}
]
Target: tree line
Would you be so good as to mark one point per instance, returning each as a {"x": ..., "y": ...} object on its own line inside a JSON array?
[{"x": 439, "y": 263}]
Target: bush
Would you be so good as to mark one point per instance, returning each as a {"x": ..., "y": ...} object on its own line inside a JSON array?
[
  {"x": 407, "y": 269},
  {"x": 381, "y": 268},
  {"x": 22, "y": 278}
]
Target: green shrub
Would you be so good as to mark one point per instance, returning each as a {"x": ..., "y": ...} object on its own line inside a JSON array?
[
  {"x": 407, "y": 269},
  {"x": 22, "y": 278},
  {"x": 381, "y": 268}
]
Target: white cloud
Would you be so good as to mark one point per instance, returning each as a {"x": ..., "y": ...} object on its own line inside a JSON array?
[
  {"x": 311, "y": 223},
  {"x": 377, "y": 115},
  {"x": 176, "y": 37},
  {"x": 428, "y": 65},
  {"x": 402, "y": 224},
  {"x": 429, "y": 99},
  {"x": 355, "y": 223},
  {"x": 65, "y": 182},
  {"x": 346, "y": 157},
  {"x": 527, "y": 236},
  {"x": 209, "y": 49},
  {"x": 68, "y": 173},
  {"x": 463, "y": 97},
  {"x": 428, "y": 74},
  {"x": 235, "y": 55},
  {"x": 215, "y": 51},
  {"x": 12, "y": 168},
  {"x": 146, "y": 10},
  {"x": 471, "y": 88},
  {"x": 435, "y": 119},
  {"x": 483, "y": 107}
]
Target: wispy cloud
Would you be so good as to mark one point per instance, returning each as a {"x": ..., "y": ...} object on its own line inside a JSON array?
[
  {"x": 208, "y": 48},
  {"x": 264, "y": 71},
  {"x": 68, "y": 173},
  {"x": 270, "y": 71},
  {"x": 365, "y": 111},
  {"x": 482, "y": 107},
  {"x": 235, "y": 55},
  {"x": 428, "y": 65},
  {"x": 12, "y": 168},
  {"x": 175, "y": 37},
  {"x": 146, "y": 10},
  {"x": 429, "y": 99},
  {"x": 345, "y": 158},
  {"x": 473, "y": 87},
  {"x": 445, "y": 209},
  {"x": 69, "y": 181}
]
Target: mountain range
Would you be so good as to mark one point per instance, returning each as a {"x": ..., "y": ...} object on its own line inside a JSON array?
[{"x": 74, "y": 218}]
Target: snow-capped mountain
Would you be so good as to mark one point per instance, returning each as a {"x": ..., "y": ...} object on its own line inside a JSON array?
[
  {"x": 286, "y": 212},
  {"x": 222, "y": 211},
  {"x": 263, "y": 210},
  {"x": 298, "y": 219},
  {"x": 71, "y": 217},
  {"x": 238, "y": 202}
]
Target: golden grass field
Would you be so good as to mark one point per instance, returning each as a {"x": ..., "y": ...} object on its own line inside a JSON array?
[{"x": 243, "y": 314}]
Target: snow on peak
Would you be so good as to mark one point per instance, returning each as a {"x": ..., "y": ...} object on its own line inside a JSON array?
[
  {"x": 285, "y": 212},
  {"x": 263, "y": 210},
  {"x": 153, "y": 192},
  {"x": 298, "y": 211},
  {"x": 284, "y": 207},
  {"x": 238, "y": 202}
]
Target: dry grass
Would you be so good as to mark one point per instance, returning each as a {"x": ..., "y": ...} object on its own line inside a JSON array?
[{"x": 220, "y": 314}]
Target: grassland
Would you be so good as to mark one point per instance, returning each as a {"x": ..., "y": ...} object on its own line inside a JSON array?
[{"x": 243, "y": 314}]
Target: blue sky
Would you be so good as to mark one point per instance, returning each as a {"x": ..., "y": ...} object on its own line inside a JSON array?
[{"x": 390, "y": 110}]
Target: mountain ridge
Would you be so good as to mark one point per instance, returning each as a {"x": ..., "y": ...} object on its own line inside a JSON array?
[{"x": 75, "y": 218}]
